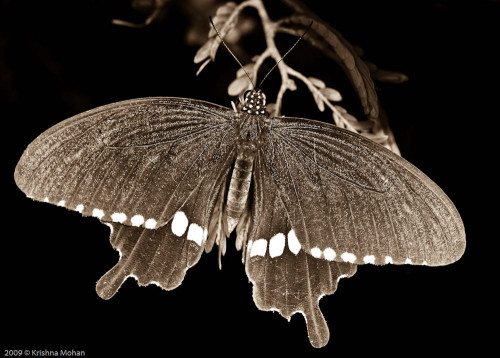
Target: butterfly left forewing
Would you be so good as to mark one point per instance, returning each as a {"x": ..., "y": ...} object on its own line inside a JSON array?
[
  {"x": 133, "y": 162},
  {"x": 351, "y": 200},
  {"x": 285, "y": 277}
]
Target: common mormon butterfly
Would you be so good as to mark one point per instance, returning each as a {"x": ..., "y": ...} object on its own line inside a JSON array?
[{"x": 309, "y": 201}]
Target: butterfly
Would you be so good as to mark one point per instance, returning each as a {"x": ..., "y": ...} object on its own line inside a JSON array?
[{"x": 308, "y": 201}]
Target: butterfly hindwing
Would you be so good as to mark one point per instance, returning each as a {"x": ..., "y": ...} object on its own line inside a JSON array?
[
  {"x": 285, "y": 277},
  {"x": 162, "y": 256},
  {"x": 133, "y": 162},
  {"x": 351, "y": 200}
]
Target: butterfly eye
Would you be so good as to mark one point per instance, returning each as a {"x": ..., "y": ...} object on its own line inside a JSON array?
[{"x": 246, "y": 94}]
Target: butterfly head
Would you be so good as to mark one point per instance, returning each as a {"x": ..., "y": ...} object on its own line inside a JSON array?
[{"x": 254, "y": 102}]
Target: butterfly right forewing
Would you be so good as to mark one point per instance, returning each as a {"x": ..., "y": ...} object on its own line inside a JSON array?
[{"x": 351, "y": 200}]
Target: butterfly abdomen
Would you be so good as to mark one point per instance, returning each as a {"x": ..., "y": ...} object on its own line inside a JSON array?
[{"x": 240, "y": 184}]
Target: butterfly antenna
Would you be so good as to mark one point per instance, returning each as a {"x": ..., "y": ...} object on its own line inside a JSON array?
[
  {"x": 281, "y": 59},
  {"x": 228, "y": 50}
]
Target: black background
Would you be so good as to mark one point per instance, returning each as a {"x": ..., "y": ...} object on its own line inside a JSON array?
[{"x": 59, "y": 58}]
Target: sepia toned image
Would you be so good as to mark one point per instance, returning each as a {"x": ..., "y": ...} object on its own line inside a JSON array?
[{"x": 246, "y": 160}]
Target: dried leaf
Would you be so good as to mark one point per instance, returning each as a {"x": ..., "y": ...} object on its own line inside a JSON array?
[
  {"x": 340, "y": 109},
  {"x": 203, "y": 52},
  {"x": 203, "y": 65},
  {"x": 238, "y": 85},
  {"x": 248, "y": 67},
  {"x": 361, "y": 126},
  {"x": 389, "y": 76},
  {"x": 224, "y": 13},
  {"x": 319, "y": 102},
  {"x": 335, "y": 46},
  {"x": 338, "y": 120},
  {"x": 226, "y": 9},
  {"x": 270, "y": 108},
  {"x": 331, "y": 94},
  {"x": 351, "y": 119},
  {"x": 317, "y": 82},
  {"x": 219, "y": 22},
  {"x": 376, "y": 137},
  {"x": 221, "y": 16}
]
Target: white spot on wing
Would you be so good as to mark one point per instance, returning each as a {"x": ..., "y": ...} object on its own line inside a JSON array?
[
  {"x": 388, "y": 260},
  {"x": 195, "y": 233},
  {"x": 409, "y": 262},
  {"x": 316, "y": 252},
  {"x": 61, "y": 203},
  {"x": 348, "y": 257},
  {"x": 259, "y": 248},
  {"x": 249, "y": 246},
  {"x": 179, "y": 223},
  {"x": 46, "y": 200},
  {"x": 293, "y": 242},
  {"x": 329, "y": 254},
  {"x": 150, "y": 224},
  {"x": 369, "y": 259},
  {"x": 425, "y": 263},
  {"x": 137, "y": 220},
  {"x": 119, "y": 217},
  {"x": 98, "y": 213},
  {"x": 277, "y": 245},
  {"x": 79, "y": 208}
]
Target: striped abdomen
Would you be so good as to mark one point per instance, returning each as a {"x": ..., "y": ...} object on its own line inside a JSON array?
[{"x": 238, "y": 188}]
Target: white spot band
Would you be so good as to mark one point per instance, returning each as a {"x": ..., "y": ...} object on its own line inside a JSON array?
[
  {"x": 277, "y": 245},
  {"x": 195, "y": 233},
  {"x": 293, "y": 242},
  {"x": 329, "y": 254},
  {"x": 316, "y": 252},
  {"x": 259, "y": 248},
  {"x": 119, "y": 217},
  {"x": 348, "y": 257},
  {"x": 369, "y": 259},
  {"x": 179, "y": 223},
  {"x": 98, "y": 213},
  {"x": 150, "y": 224},
  {"x": 137, "y": 220}
]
